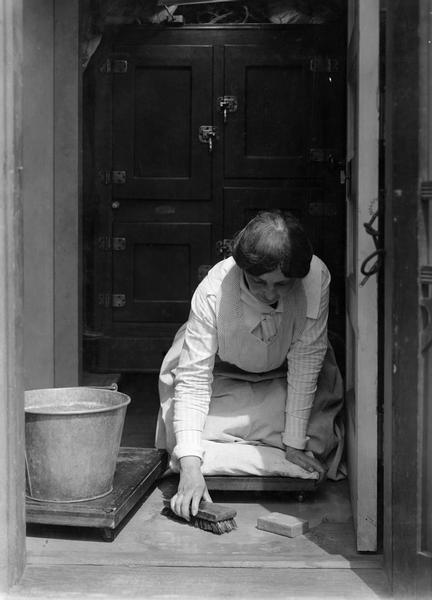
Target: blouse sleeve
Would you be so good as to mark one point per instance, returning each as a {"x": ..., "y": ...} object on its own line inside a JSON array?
[
  {"x": 194, "y": 375},
  {"x": 305, "y": 359}
]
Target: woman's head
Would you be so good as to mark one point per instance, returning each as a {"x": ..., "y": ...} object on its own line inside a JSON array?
[{"x": 271, "y": 241}]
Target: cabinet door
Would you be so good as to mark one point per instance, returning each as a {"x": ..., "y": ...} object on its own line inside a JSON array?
[
  {"x": 159, "y": 104},
  {"x": 288, "y": 118},
  {"x": 157, "y": 270},
  {"x": 269, "y": 134}
]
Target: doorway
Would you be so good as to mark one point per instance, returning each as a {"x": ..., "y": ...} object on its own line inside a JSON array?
[
  {"x": 189, "y": 141},
  {"x": 195, "y": 130}
]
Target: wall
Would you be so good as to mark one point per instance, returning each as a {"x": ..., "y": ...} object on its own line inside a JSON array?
[{"x": 51, "y": 190}]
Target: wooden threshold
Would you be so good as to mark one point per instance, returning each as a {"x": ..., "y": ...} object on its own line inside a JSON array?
[{"x": 86, "y": 582}]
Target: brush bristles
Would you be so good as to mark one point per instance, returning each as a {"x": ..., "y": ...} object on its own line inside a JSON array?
[
  {"x": 217, "y": 527},
  {"x": 208, "y": 519}
]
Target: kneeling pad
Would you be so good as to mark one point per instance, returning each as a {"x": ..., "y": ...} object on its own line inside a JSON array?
[{"x": 229, "y": 458}]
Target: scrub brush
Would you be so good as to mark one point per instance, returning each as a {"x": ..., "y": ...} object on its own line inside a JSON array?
[{"x": 210, "y": 517}]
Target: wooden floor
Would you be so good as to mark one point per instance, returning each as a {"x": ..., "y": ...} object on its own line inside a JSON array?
[{"x": 155, "y": 557}]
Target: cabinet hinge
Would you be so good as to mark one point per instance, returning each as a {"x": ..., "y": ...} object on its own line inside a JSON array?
[
  {"x": 323, "y": 64},
  {"x": 104, "y": 300},
  {"x": 426, "y": 190},
  {"x": 105, "y": 242},
  {"x": 112, "y": 177},
  {"x": 115, "y": 300},
  {"x": 114, "y": 65},
  {"x": 118, "y": 300},
  {"x": 322, "y": 155},
  {"x": 426, "y": 274}
]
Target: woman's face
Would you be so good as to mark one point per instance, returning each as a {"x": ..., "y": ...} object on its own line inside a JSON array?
[{"x": 269, "y": 287}]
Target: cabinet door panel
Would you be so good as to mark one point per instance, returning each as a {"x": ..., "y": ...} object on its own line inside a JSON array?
[
  {"x": 158, "y": 270},
  {"x": 159, "y": 105},
  {"x": 269, "y": 134}
]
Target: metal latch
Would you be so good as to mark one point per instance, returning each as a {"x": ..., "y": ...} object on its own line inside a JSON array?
[
  {"x": 114, "y": 65},
  {"x": 118, "y": 300},
  {"x": 206, "y": 134},
  {"x": 227, "y": 104}
]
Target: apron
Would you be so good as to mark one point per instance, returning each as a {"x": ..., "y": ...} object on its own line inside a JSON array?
[{"x": 249, "y": 389}]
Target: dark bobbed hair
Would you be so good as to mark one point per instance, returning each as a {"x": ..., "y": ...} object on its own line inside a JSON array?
[{"x": 272, "y": 240}]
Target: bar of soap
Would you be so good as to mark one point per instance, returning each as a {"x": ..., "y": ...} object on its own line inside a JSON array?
[{"x": 283, "y": 524}]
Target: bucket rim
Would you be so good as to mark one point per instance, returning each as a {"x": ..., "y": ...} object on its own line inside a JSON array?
[{"x": 40, "y": 410}]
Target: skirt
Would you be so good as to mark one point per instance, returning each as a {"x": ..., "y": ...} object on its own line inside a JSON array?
[{"x": 249, "y": 409}]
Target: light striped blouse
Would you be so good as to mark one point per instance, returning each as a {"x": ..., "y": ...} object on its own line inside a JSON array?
[{"x": 194, "y": 374}]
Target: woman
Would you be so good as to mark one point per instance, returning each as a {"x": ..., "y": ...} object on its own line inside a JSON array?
[{"x": 245, "y": 367}]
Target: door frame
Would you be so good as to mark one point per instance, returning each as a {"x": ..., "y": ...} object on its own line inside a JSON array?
[
  {"x": 48, "y": 328},
  {"x": 361, "y": 381},
  {"x": 407, "y": 145},
  {"x": 401, "y": 327},
  {"x": 12, "y": 518}
]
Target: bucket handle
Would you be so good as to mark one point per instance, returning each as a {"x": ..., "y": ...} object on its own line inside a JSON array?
[
  {"x": 113, "y": 387},
  {"x": 28, "y": 475}
]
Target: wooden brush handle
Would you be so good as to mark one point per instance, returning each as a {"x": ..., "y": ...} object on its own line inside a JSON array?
[{"x": 212, "y": 512}]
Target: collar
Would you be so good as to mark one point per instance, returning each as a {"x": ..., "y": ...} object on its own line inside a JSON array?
[{"x": 248, "y": 298}]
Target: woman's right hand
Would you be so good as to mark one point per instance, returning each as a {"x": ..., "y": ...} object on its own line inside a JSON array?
[
  {"x": 192, "y": 488},
  {"x": 306, "y": 461}
]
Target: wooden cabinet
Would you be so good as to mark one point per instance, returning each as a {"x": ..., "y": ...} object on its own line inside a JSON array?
[{"x": 163, "y": 194}]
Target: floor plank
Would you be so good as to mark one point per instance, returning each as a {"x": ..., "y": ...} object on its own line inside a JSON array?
[
  {"x": 86, "y": 582},
  {"x": 155, "y": 557},
  {"x": 151, "y": 539}
]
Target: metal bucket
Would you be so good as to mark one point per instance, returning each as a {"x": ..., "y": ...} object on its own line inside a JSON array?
[{"x": 72, "y": 440}]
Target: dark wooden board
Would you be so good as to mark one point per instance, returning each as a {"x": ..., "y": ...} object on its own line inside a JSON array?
[
  {"x": 260, "y": 484},
  {"x": 137, "y": 469}
]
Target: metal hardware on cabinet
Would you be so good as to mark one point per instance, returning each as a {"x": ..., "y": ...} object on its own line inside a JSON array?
[
  {"x": 325, "y": 155},
  {"x": 206, "y": 134},
  {"x": 323, "y": 64},
  {"x": 322, "y": 209},
  {"x": 426, "y": 274},
  {"x": 104, "y": 300},
  {"x": 227, "y": 104},
  {"x": 115, "y": 204},
  {"x": 426, "y": 190},
  {"x": 118, "y": 243},
  {"x": 115, "y": 177},
  {"x": 224, "y": 247},
  {"x": 104, "y": 176},
  {"x": 104, "y": 242},
  {"x": 118, "y": 300},
  {"x": 114, "y": 65},
  {"x": 118, "y": 177}
]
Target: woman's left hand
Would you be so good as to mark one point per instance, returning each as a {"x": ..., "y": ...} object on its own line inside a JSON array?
[{"x": 305, "y": 461}]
